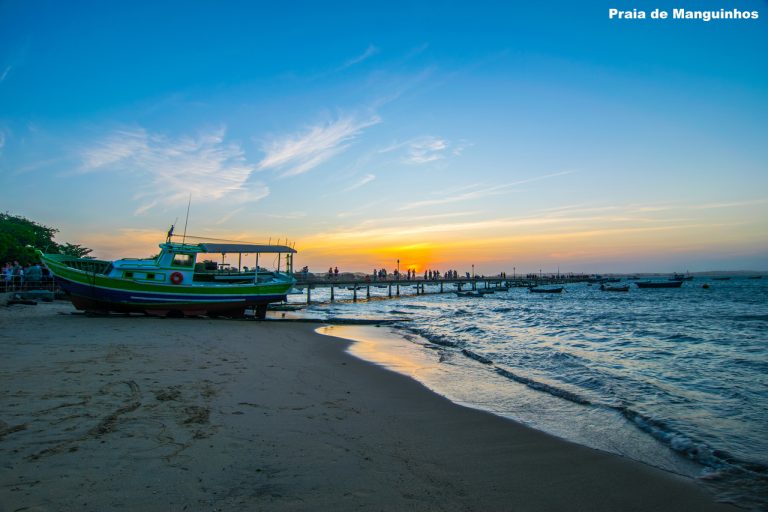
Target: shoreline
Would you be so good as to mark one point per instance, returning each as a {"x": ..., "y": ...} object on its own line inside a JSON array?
[
  {"x": 457, "y": 377},
  {"x": 168, "y": 414}
]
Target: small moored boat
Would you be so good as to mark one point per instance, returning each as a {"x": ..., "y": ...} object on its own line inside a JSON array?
[
  {"x": 534, "y": 289},
  {"x": 659, "y": 284},
  {"x": 174, "y": 282},
  {"x": 624, "y": 288},
  {"x": 471, "y": 293}
]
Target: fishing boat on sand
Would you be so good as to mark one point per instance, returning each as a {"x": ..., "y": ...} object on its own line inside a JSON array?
[
  {"x": 176, "y": 282},
  {"x": 659, "y": 284}
]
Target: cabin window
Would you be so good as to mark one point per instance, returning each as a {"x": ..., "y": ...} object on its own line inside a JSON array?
[
  {"x": 150, "y": 276},
  {"x": 128, "y": 274},
  {"x": 183, "y": 260}
]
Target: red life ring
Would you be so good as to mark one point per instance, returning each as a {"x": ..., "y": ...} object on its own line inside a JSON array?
[{"x": 177, "y": 277}]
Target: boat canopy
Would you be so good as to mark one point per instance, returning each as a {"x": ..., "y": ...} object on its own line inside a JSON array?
[{"x": 246, "y": 248}]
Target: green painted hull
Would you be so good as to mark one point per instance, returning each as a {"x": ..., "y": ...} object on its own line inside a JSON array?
[{"x": 91, "y": 290}]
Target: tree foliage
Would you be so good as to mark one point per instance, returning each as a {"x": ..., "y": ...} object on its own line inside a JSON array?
[{"x": 19, "y": 237}]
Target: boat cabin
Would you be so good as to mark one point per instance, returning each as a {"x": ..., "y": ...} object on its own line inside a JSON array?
[{"x": 186, "y": 264}]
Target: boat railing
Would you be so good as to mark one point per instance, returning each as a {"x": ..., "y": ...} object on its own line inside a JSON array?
[
  {"x": 132, "y": 265},
  {"x": 90, "y": 266}
]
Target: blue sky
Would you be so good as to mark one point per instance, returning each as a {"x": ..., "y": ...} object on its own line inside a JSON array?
[{"x": 443, "y": 134}]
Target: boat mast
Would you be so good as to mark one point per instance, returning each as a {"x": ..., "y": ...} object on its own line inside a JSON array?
[{"x": 184, "y": 238}]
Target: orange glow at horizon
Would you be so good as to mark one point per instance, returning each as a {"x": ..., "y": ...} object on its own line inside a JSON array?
[{"x": 526, "y": 244}]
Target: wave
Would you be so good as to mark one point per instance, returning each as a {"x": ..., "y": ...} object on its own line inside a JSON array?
[
  {"x": 722, "y": 465},
  {"x": 740, "y": 479},
  {"x": 476, "y": 356},
  {"x": 683, "y": 337},
  {"x": 540, "y": 386},
  {"x": 753, "y": 476}
]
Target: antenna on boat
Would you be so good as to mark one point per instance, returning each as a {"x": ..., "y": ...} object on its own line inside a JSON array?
[{"x": 184, "y": 238}]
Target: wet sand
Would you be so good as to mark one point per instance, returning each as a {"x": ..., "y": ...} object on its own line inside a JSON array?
[{"x": 137, "y": 413}]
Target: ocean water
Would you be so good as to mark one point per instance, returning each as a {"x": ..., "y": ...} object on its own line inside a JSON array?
[{"x": 676, "y": 378}]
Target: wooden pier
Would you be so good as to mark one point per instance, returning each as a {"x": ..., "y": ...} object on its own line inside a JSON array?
[{"x": 420, "y": 286}]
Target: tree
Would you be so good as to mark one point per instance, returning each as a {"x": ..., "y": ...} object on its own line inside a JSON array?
[
  {"x": 76, "y": 250},
  {"x": 19, "y": 237}
]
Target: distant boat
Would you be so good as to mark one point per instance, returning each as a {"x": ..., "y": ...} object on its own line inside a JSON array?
[
  {"x": 659, "y": 284},
  {"x": 755, "y": 277},
  {"x": 721, "y": 278},
  {"x": 601, "y": 279},
  {"x": 624, "y": 288},
  {"x": 172, "y": 282},
  {"x": 469, "y": 294},
  {"x": 681, "y": 277},
  {"x": 533, "y": 289}
]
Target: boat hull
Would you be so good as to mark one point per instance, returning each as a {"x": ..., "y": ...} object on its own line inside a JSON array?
[
  {"x": 615, "y": 288},
  {"x": 545, "y": 290},
  {"x": 662, "y": 284},
  {"x": 96, "y": 292},
  {"x": 94, "y": 298}
]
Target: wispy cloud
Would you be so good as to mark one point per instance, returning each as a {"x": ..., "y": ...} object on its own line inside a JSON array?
[
  {"x": 734, "y": 204},
  {"x": 425, "y": 150},
  {"x": 365, "y": 180},
  {"x": 288, "y": 216},
  {"x": 426, "y": 228},
  {"x": 301, "y": 152},
  {"x": 481, "y": 193},
  {"x": 361, "y": 210},
  {"x": 119, "y": 146},
  {"x": 205, "y": 166},
  {"x": 2, "y": 140},
  {"x": 228, "y": 216},
  {"x": 405, "y": 220},
  {"x": 368, "y": 53},
  {"x": 428, "y": 148},
  {"x": 5, "y": 73}
]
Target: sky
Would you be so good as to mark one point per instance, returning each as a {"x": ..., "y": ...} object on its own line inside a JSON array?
[{"x": 512, "y": 135}]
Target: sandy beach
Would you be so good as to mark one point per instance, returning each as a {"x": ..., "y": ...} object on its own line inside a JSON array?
[{"x": 138, "y": 413}]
